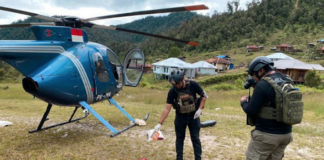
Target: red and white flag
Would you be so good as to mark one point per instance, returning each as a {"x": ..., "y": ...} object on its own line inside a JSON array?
[{"x": 77, "y": 35}]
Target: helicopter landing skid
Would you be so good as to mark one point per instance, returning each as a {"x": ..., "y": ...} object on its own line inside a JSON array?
[
  {"x": 110, "y": 127},
  {"x": 49, "y": 106}
]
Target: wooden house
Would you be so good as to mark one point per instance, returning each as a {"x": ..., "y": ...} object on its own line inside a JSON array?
[
  {"x": 162, "y": 69},
  {"x": 285, "y": 47},
  {"x": 252, "y": 48},
  {"x": 203, "y": 68},
  {"x": 220, "y": 63},
  {"x": 148, "y": 68},
  {"x": 226, "y": 57},
  {"x": 320, "y": 50},
  {"x": 311, "y": 45},
  {"x": 295, "y": 69}
]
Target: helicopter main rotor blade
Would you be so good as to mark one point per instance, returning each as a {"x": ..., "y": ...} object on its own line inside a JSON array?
[
  {"x": 26, "y": 25},
  {"x": 47, "y": 18},
  {"x": 146, "y": 34},
  {"x": 166, "y": 10}
]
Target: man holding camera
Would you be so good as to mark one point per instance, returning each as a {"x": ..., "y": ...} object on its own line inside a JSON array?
[
  {"x": 183, "y": 97},
  {"x": 270, "y": 137}
]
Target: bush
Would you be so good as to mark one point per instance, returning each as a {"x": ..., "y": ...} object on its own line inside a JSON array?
[
  {"x": 223, "y": 78},
  {"x": 174, "y": 52},
  {"x": 144, "y": 84},
  {"x": 223, "y": 86},
  {"x": 312, "y": 79},
  {"x": 2, "y": 73}
]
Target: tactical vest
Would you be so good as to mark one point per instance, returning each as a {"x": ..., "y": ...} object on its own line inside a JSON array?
[
  {"x": 288, "y": 104},
  {"x": 185, "y": 102}
]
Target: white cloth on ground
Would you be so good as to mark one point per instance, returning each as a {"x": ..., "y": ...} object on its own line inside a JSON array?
[{"x": 5, "y": 123}]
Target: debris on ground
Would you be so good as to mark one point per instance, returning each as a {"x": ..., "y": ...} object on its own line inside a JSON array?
[
  {"x": 139, "y": 122},
  {"x": 5, "y": 123}
]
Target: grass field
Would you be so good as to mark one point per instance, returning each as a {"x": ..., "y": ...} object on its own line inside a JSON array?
[{"x": 89, "y": 139}]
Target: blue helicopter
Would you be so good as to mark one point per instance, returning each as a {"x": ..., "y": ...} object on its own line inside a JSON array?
[{"x": 61, "y": 67}]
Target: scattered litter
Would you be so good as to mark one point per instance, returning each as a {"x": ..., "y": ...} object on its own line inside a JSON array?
[
  {"x": 151, "y": 132},
  {"x": 65, "y": 135},
  {"x": 5, "y": 123},
  {"x": 217, "y": 109},
  {"x": 139, "y": 122}
]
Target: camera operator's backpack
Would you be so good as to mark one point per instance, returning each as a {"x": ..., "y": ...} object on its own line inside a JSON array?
[{"x": 289, "y": 105}]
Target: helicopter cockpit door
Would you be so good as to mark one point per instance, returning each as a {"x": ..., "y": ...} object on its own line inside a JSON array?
[
  {"x": 134, "y": 64},
  {"x": 101, "y": 75},
  {"x": 116, "y": 68}
]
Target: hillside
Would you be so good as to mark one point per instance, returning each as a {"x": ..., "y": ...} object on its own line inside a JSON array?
[{"x": 264, "y": 23}]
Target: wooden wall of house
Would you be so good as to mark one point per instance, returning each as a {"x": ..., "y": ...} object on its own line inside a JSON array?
[
  {"x": 287, "y": 49},
  {"x": 298, "y": 76},
  {"x": 253, "y": 49},
  {"x": 148, "y": 70}
]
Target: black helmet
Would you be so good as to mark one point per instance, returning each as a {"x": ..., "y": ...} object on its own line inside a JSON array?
[
  {"x": 259, "y": 63},
  {"x": 176, "y": 77}
]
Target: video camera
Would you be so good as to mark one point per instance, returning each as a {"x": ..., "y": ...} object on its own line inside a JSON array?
[{"x": 249, "y": 82}]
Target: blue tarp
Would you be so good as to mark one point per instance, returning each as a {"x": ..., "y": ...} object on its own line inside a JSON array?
[
  {"x": 231, "y": 66},
  {"x": 322, "y": 40},
  {"x": 221, "y": 56}
]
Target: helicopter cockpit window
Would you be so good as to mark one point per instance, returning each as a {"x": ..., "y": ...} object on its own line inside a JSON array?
[{"x": 101, "y": 69}]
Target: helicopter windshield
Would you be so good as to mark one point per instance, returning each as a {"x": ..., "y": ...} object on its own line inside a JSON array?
[
  {"x": 116, "y": 67},
  {"x": 101, "y": 69}
]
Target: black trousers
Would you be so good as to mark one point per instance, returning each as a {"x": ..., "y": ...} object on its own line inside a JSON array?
[{"x": 181, "y": 123}]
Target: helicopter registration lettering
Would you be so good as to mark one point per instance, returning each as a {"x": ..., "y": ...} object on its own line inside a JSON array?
[{"x": 103, "y": 96}]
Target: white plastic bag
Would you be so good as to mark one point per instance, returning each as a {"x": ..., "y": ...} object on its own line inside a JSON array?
[
  {"x": 5, "y": 123},
  {"x": 150, "y": 134}
]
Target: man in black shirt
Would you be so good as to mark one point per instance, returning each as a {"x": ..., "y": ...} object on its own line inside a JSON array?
[
  {"x": 182, "y": 96},
  {"x": 270, "y": 137}
]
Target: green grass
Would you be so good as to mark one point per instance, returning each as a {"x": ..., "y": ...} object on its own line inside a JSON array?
[{"x": 90, "y": 139}]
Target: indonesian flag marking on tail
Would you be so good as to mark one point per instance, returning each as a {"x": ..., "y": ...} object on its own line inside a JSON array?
[{"x": 77, "y": 35}]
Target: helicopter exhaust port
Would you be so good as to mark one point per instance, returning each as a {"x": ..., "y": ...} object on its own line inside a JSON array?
[{"x": 30, "y": 85}]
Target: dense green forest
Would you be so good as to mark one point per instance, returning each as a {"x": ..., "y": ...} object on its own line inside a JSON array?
[{"x": 263, "y": 22}]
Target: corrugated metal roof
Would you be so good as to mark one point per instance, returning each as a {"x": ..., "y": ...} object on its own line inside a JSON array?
[
  {"x": 218, "y": 60},
  {"x": 296, "y": 64},
  {"x": 285, "y": 45},
  {"x": 174, "y": 62},
  {"x": 278, "y": 56},
  {"x": 204, "y": 64},
  {"x": 252, "y": 47},
  {"x": 317, "y": 67}
]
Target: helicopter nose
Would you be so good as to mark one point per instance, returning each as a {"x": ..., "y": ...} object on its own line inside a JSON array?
[{"x": 30, "y": 85}]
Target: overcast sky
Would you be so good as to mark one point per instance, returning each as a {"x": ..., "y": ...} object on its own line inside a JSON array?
[{"x": 94, "y": 8}]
